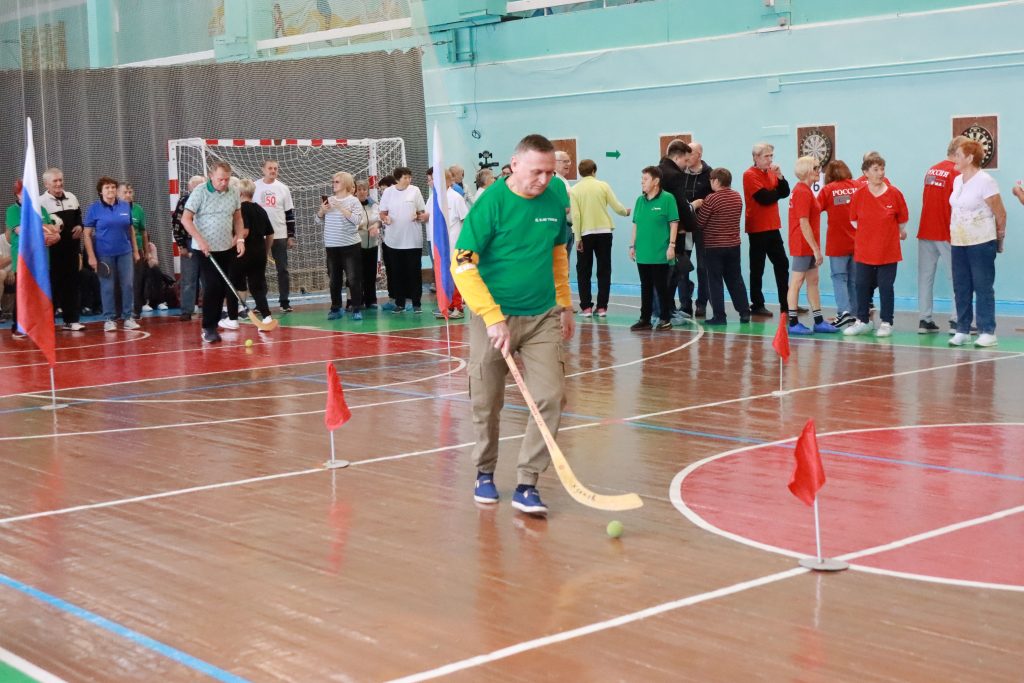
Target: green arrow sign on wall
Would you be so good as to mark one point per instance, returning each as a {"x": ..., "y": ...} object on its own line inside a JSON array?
[{"x": 614, "y": 155}]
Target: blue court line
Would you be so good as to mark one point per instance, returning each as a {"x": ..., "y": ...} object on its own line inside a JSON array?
[
  {"x": 844, "y": 454},
  {"x": 125, "y": 632},
  {"x": 206, "y": 387}
]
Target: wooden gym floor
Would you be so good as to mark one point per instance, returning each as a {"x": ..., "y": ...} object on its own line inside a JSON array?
[{"x": 175, "y": 523}]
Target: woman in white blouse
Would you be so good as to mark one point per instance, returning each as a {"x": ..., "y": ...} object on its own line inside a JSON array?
[{"x": 977, "y": 227}]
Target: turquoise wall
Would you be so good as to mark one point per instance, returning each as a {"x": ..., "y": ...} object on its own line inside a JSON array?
[{"x": 890, "y": 83}]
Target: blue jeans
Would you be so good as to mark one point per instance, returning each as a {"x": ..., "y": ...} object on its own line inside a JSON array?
[
  {"x": 974, "y": 276},
  {"x": 121, "y": 267},
  {"x": 189, "y": 281},
  {"x": 844, "y": 282}
]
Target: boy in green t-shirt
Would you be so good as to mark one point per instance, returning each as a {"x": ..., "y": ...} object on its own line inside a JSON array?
[{"x": 655, "y": 224}]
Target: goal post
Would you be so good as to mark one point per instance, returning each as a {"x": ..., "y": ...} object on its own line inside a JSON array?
[{"x": 305, "y": 166}]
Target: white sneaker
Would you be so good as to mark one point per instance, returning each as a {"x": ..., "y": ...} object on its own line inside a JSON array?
[
  {"x": 884, "y": 330},
  {"x": 228, "y": 324},
  {"x": 268, "y": 320},
  {"x": 110, "y": 326},
  {"x": 959, "y": 339},
  {"x": 857, "y": 328},
  {"x": 986, "y": 339},
  {"x": 161, "y": 307},
  {"x": 74, "y": 327},
  {"x": 146, "y": 308},
  {"x": 130, "y": 324}
]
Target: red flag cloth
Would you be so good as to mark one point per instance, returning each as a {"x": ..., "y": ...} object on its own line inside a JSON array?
[
  {"x": 337, "y": 410},
  {"x": 781, "y": 341},
  {"x": 809, "y": 475}
]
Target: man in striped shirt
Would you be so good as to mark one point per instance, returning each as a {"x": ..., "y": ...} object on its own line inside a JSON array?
[{"x": 719, "y": 218}]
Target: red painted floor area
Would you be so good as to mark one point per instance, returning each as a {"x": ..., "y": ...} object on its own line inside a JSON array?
[
  {"x": 172, "y": 349},
  {"x": 882, "y": 486}
]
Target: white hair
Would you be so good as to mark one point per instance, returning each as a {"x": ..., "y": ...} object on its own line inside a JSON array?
[{"x": 762, "y": 147}]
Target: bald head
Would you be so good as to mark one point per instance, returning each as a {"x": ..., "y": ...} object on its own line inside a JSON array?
[
  {"x": 563, "y": 162},
  {"x": 696, "y": 156}
]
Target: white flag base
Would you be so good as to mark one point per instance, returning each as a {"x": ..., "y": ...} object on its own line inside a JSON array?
[
  {"x": 336, "y": 464},
  {"x": 55, "y": 406},
  {"x": 824, "y": 564},
  {"x": 779, "y": 393}
]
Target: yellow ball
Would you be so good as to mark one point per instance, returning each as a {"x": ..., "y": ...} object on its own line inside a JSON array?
[
  {"x": 248, "y": 342},
  {"x": 614, "y": 528}
]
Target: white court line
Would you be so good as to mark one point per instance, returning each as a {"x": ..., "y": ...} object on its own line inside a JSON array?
[
  {"x": 639, "y": 615},
  {"x": 193, "y": 349},
  {"x": 132, "y": 401},
  {"x": 45, "y": 393},
  {"x": 675, "y": 495},
  {"x": 28, "y": 668},
  {"x": 83, "y": 346},
  {"x": 536, "y": 643}
]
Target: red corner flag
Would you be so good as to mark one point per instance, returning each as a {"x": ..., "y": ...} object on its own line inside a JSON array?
[
  {"x": 809, "y": 475},
  {"x": 337, "y": 410},
  {"x": 781, "y": 341}
]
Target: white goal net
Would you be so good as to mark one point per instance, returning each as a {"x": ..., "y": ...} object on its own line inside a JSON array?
[{"x": 306, "y": 167}]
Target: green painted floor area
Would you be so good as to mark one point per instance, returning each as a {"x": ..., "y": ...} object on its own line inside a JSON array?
[
  {"x": 905, "y": 334},
  {"x": 11, "y": 675}
]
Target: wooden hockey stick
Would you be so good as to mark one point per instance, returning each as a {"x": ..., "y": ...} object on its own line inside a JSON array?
[
  {"x": 253, "y": 315},
  {"x": 625, "y": 501}
]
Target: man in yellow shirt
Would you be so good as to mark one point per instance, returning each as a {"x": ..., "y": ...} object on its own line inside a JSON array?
[
  {"x": 512, "y": 269},
  {"x": 593, "y": 229}
]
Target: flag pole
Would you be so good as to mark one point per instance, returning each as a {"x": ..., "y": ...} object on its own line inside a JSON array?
[
  {"x": 334, "y": 464},
  {"x": 53, "y": 395},
  {"x": 821, "y": 563},
  {"x": 780, "y": 391},
  {"x": 448, "y": 333}
]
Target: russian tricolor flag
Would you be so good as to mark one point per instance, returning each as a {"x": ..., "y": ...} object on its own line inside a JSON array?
[
  {"x": 35, "y": 301},
  {"x": 441, "y": 245}
]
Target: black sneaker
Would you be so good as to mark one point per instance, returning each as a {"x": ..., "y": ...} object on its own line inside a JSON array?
[
  {"x": 700, "y": 312},
  {"x": 210, "y": 336},
  {"x": 640, "y": 325},
  {"x": 185, "y": 317},
  {"x": 286, "y": 308},
  {"x": 843, "y": 319},
  {"x": 761, "y": 311},
  {"x": 663, "y": 325},
  {"x": 927, "y": 327}
]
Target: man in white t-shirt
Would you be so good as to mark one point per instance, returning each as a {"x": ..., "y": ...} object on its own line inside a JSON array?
[
  {"x": 563, "y": 165},
  {"x": 276, "y": 199},
  {"x": 402, "y": 209}
]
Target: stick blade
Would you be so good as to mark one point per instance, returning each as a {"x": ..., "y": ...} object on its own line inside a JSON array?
[{"x": 256, "y": 320}]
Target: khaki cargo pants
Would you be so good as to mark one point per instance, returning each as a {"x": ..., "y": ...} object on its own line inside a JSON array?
[{"x": 538, "y": 340}]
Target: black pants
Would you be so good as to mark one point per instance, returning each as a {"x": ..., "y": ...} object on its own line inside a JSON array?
[
  {"x": 406, "y": 270},
  {"x": 654, "y": 277},
  {"x": 346, "y": 263},
  {"x": 214, "y": 287},
  {"x": 703, "y": 293},
  {"x": 597, "y": 247},
  {"x": 762, "y": 244},
  {"x": 249, "y": 274},
  {"x": 279, "y": 250},
  {"x": 12, "y": 289},
  {"x": 723, "y": 265},
  {"x": 869, "y": 277},
  {"x": 388, "y": 257},
  {"x": 369, "y": 257},
  {"x": 64, "y": 265}
]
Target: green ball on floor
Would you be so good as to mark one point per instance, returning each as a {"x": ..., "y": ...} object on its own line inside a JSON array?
[
  {"x": 248, "y": 342},
  {"x": 614, "y": 528}
]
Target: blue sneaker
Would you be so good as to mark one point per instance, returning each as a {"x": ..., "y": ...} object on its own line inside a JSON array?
[
  {"x": 485, "y": 492},
  {"x": 799, "y": 328},
  {"x": 825, "y": 328},
  {"x": 408, "y": 308},
  {"x": 389, "y": 306},
  {"x": 357, "y": 315},
  {"x": 335, "y": 313},
  {"x": 527, "y": 499}
]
